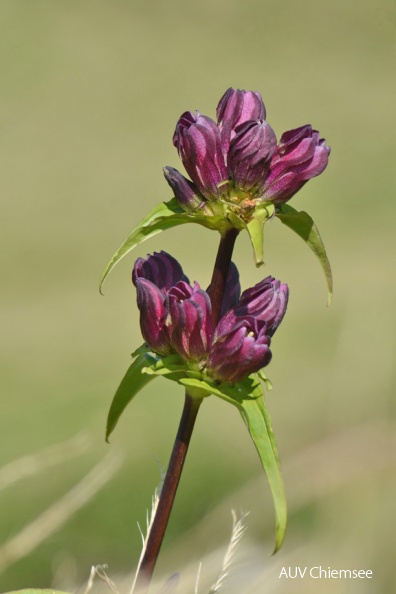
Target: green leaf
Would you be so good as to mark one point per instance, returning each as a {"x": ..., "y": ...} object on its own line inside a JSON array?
[
  {"x": 166, "y": 365},
  {"x": 164, "y": 216},
  {"x": 255, "y": 228},
  {"x": 248, "y": 388},
  {"x": 302, "y": 224},
  {"x": 248, "y": 397},
  {"x": 133, "y": 381},
  {"x": 258, "y": 422}
]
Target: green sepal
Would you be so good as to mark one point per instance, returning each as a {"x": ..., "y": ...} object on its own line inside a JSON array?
[
  {"x": 142, "y": 350},
  {"x": 255, "y": 228},
  {"x": 267, "y": 382},
  {"x": 164, "y": 216},
  {"x": 171, "y": 365},
  {"x": 302, "y": 224},
  {"x": 235, "y": 220},
  {"x": 133, "y": 381}
]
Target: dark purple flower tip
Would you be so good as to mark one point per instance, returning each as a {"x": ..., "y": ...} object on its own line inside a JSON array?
[
  {"x": 186, "y": 193},
  {"x": 189, "y": 321},
  {"x": 161, "y": 269},
  {"x": 237, "y": 107},
  {"x": 266, "y": 302},
  {"x": 151, "y": 303},
  {"x": 301, "y": 155},
  {"x": 241, "y": 351},
  {"x": 250, "y": 154},
  {"x": 197, "y": 138},
  {"x": 186, "y": 119}
]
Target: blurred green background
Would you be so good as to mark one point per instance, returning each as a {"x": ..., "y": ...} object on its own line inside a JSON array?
[{"x": 90, "y": 94}]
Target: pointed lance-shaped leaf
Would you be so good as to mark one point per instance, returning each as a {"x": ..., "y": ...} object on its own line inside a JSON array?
[
  {"x": 133, "y": 381},
  {"x": 302, "y": 224},
  {"x": 247, "y": 396},
  {"x": 164, "y": 216}
]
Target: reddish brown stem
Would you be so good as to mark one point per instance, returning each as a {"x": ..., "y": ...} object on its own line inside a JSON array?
[
  {"x": 186, "y": 426},
  {"x": 168, "y": 492},
  {"x": 220, "y": 272}
]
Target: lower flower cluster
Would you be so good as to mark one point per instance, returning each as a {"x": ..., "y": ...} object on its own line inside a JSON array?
[{"x": 176, "y": 317}]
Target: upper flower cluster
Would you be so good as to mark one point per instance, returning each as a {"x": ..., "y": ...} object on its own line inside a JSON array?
[
  {"x": 238, "y": 161},
  {"x": 176, "y": 317}
]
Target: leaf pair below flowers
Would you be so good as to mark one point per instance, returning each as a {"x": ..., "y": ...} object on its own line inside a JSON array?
[
  {"x": 169, "y": 214},
  {"x": 247, "y": 396}
]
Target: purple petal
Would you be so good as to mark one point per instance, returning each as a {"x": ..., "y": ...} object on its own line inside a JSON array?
[
  {"x": 239, "y": 353},
  {"x": 189, "y": 321},
  {"x": 250, "y": 153},
  {"x": 301, "y": 155},
  {"x": 152, "y": 315},
  {"x": 265, "y": 303},
  {"x": 197, "y": 139},
  {"x": 160, "y": 268},
  {"x": 235, "y": 108}
]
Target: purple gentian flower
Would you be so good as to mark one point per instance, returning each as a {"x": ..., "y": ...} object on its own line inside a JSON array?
[
  {"x": 152, "y": 278},
  {"x": 185, "y": 192},
  {"x": 189, "y": 320},
  {"x": 236, "y": 108},
  {"x": 301, "y": 155},
  {"x": 197, "y": 138},
  {"x": 250, "y": 154},
  {"x": 238, "y": 160},
  {"x": 177, "y": 318},
  {"x": 241, "y": 351}
]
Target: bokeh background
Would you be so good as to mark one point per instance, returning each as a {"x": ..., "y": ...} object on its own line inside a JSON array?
[{"x": 90, "y": 94}]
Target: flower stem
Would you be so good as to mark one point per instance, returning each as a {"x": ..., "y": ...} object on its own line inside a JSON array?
[
  {"x": 220, "y": 272},
  {"x": 186, "y": 426},
  {"x": 168, "y": 492}
]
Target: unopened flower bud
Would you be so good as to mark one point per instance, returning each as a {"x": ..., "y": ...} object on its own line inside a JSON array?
[
  {"x": 266, "y": 301},
  {"x": 301, "y": 155},
  {"x": 153, "y": 278},
  {"x": 150, "y": 302},
  {"x": 189, "y": 321},
  {"x": 250, "y": 153},
  {"x": 242, "y": 337},
  {"x": 237, "y": 107},
  {"x": 161, "y": 268},
  {"x": 197, "y": 138},
  {"x": 185, "y": 191},
  {"x": 243, "y": 350}
]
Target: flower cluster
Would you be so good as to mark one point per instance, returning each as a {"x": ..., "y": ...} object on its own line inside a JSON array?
[
  {"x": 238, "y": 161},
  {"x": 176, "y": 317}
]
